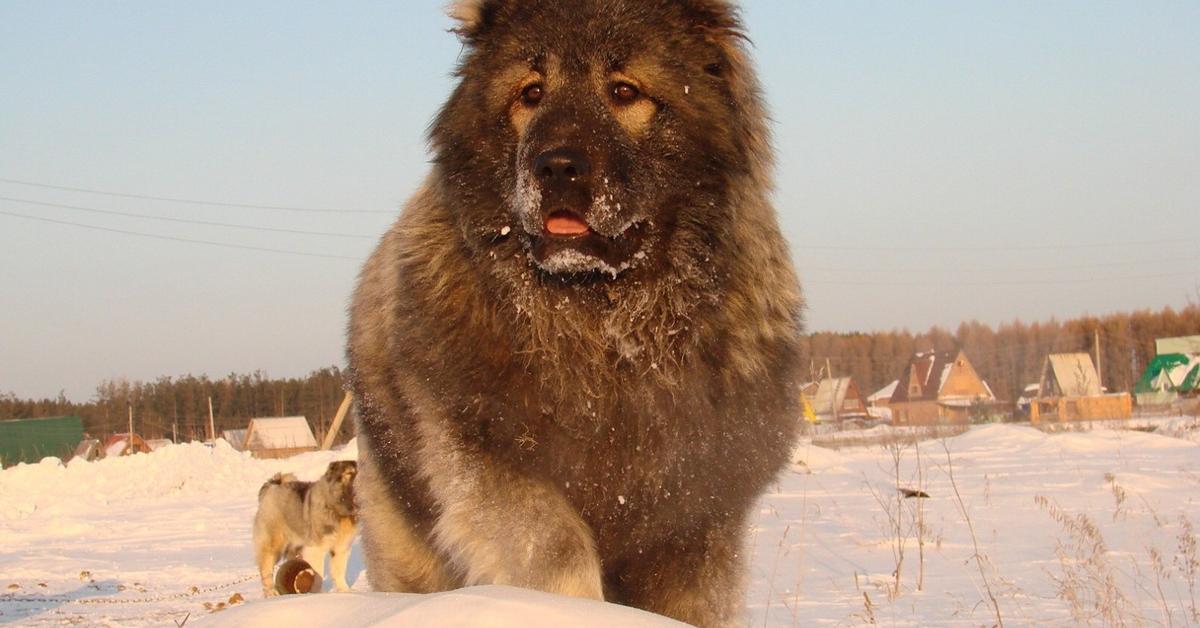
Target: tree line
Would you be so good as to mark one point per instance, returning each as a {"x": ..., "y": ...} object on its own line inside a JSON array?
[
  {"x": 179, "y": 405},
  {"x": 1008, "y": 357}
]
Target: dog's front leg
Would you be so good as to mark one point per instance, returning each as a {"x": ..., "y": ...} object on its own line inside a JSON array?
[
  {"x": 340, "y": 555},
  {"x": 497, "y": 526}
]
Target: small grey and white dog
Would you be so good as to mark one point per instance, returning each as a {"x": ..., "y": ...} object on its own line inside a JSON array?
[{"x": 306, "y": 520}]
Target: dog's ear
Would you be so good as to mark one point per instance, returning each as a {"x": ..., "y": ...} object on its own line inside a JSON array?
[
  {"x": 719, "y": 24},
  {"x": 474, "y": 17}
]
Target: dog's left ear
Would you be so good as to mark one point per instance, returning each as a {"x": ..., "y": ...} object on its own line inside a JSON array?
[
  {"x": 717, "y": 16},
  {"x": 719, "y": 24},
  {"x": 474, "y": 17}
]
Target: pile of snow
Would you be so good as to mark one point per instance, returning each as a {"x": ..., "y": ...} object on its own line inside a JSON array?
[
  {"x": 164, "y": 538},
  {"x": 466, "y": 608}
]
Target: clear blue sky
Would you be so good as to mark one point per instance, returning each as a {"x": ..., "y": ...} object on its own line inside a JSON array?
[{"x": 938, "y": 162}]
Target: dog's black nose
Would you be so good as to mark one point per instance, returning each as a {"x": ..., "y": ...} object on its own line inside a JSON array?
[{"x": 562, "y": 165}]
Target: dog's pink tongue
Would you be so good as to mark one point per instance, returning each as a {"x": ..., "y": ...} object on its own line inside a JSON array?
[{"x": 566, "y": 224}]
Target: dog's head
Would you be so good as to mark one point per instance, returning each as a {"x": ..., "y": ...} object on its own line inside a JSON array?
[
  {"x": 339, "y": 476},
  {"x": 599, "y": 133}
]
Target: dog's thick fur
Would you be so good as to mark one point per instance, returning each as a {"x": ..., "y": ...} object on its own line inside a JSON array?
[
  {"x": 595, "y": 414},
  {"x": 306, "y": 520}
]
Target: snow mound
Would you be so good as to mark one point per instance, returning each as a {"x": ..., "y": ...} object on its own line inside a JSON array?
[
  {"x": 187, "y": 470},
  {"x": 476, "y": 607}
]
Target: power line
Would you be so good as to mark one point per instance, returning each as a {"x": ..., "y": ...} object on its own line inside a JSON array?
[
  {"x": 177, "y": 239},
  {"x": 191, "y": 201},
  {"x": 992, "y": 283},
  {"x": 1005, "y": 247},
  {"x": 1028, "y": 269},
  {"x": 185, "y": 220}
]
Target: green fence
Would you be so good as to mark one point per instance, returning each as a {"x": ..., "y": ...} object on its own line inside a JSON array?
[{"x": 30, "y": 440}]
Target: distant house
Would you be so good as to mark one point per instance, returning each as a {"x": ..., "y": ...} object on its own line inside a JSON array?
[
  {"x": 938, "y": 388},
  {"x": 279, "y": 437},
  {"x": 30, "y": 440},
  {"x": 878, "y": 402},
  {"x": 1070, "y": 391},
  {"x": 123, "y": 445},
  {"x": 1173, "y": 373},
  {"x": 1028, "y": 394},
  {"x": 158, "y": 443},
  {"x": 838, "y": 399},
  {"x": 235, "y": 438},
  {"x": 88, "y": 449}
]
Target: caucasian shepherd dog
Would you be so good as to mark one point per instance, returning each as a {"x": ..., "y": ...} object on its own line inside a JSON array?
[
  {"x": 306, "y": 520},
  {"x": 575, "y": 352}
]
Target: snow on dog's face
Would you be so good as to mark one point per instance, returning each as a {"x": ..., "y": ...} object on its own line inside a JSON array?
[{"x": 594, "y": 133}]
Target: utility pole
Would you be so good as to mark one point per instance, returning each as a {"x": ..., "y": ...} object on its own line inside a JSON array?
[
  {"x": 131, "y": 429},
  {"x": 212, "y": 430},
  {"x": 1099, "y": 373},
  {"x": 337, "y": 422}
]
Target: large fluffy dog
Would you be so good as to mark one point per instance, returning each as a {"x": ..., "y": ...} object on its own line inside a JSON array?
[
  {"x": 306, "y": 520},
  {"x": 574, "y": 354}
]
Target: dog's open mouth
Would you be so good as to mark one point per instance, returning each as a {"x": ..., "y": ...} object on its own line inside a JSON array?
[{"x": 567, "y": 244}]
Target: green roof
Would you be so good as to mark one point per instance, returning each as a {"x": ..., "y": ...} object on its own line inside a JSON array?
[{"x": 1161, "y": 367}]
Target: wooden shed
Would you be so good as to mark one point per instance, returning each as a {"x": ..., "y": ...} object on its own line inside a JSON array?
[
  {"x": 280, "y": 437},
  {"x": 838, "y": 399},
  {"x": 1070, "y": 391}
]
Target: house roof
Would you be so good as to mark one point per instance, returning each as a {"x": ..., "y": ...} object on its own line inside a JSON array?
[
  {"x": 930, "y": 370},
  {"x": 279, "y": 433},
  {"x": 1070, "y": 375},
  {"x": 1171, "y": 372},
  {"x": 235, "y": 438},
  {"x": 885, "y": 393},
  {"x": 831, "y": 394},
  {"x": 1182, "y": 344}
]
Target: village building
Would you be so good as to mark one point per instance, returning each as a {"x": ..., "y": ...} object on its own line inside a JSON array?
[
  {"x": 939, "y": 388},
  {"x": 878, "y": 403},
  {"x": 235, "y": 438},
  {"x": 1070, "y": 390},
  {"x": 837, "y": 399},
  {"x": 124, "y": 444},
  {"x": 281, "y": 437},
  {"x": 1174, "y": 373}
]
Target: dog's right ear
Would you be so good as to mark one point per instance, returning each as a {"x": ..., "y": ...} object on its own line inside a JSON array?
[{"x": 474, "y": 17}]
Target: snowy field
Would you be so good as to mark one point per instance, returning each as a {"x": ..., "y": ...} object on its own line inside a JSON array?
[{"x": 1049, "y": 529}]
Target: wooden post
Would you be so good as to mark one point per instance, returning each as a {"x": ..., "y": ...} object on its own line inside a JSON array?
[
  {"x": 1099, "y": 373},
  {"x": 212, "y": 430},
  {"x": 337, "y": 422},
  {"x": 131, "y": 429}
]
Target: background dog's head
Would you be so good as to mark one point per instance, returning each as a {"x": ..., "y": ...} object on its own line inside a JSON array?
[
  {"x": 339, "y": 478},
  {"x": 602, "y": 135}
]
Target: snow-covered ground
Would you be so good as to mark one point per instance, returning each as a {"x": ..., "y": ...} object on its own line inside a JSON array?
[{"x": 1070, "y": 527}]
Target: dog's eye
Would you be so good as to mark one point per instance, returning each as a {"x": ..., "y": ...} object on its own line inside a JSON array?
[
  {"x": 532, "y": 95},
  {"x": 624, "y": 93}
]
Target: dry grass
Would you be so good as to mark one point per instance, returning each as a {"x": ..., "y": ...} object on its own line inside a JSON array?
[{"x": 1088, "y": 581}]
